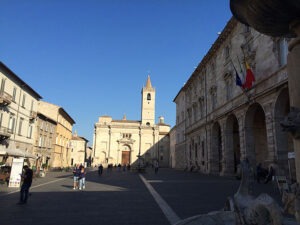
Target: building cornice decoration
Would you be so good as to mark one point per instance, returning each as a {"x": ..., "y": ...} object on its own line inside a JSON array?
[{"x": 126, "y": 141}]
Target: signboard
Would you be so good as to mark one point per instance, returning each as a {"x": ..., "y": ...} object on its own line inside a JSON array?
[
  {"x": 291, "y": 155},
  {"x": 282, "y": 183},
  {"x": 16, "y": 170}
]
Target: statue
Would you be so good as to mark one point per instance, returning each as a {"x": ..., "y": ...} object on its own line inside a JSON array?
[
  {"x": 261, "y": 210},
  {"x": 246, "y": 209},
  {"x": 291, "y": 201},
  {"x": 291, "y": 123}
]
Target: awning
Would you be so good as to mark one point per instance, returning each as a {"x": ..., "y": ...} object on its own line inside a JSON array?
[{"x": 17, "y": 152}]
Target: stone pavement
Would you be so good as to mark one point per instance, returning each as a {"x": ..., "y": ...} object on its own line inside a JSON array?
[{"x": 120, "y": 198}]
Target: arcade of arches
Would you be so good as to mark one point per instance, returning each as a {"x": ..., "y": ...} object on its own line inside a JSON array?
[{"x": 254, "y": 133}]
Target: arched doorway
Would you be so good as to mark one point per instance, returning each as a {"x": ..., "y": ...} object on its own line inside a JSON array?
[
  {"x": 284, "y": 140},
  {"x": 216, "y": 147},
  {"x": 126, "y": 156},
  {"x": 232, "y": 150},
  {"x": 256, "y": 135}
]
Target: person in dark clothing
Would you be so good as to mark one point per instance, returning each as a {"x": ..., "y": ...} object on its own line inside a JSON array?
[
  {"x": 261, "y": 173},
  {"x": 100, "y": 169},
  {"x": 27, "y": 180},
  {"x": 270, "y": 175},
  {"x": 258, "y": 172}
]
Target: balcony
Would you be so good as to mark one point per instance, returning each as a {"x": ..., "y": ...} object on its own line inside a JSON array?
[
  {"x": 4, "y": 133},
  {"x": 32, "y": 115},
  {"x": 5, "y": 99}
]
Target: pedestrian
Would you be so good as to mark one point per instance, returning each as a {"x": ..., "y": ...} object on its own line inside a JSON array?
[
  {"x": 258, "y": 172},
  {"x": 27, "y": 181},
  {"x": 76, "y": 174},
  {"x": 82, "y": 178},
  {"x": 156, "y": 166},
  {"x": 100, "y": 169},
  {"x": 270, "y": 174}
]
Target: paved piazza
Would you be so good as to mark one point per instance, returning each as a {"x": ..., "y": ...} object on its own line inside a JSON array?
[{"x": 120, "y": 198}]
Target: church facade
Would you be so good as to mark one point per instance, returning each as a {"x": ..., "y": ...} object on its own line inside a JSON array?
[{"x": 133, "y": 141}]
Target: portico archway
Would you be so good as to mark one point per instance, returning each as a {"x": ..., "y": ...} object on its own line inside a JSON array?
[
  {"x": 256, "y": 135},
  {"x": 284, "y": 140},
  {"x": 232, "y": 149}
]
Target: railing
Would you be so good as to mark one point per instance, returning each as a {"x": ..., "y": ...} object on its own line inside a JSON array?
[
  {"x": 32, "y": 115},
  {"x": 4, "y": 133},
  {"x": 5, "y": 98}
]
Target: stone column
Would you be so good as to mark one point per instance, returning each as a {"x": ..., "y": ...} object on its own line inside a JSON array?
[
  {"x": 269, "y": 109},
  {"x": 241, "y": 121},
  {"x": 227, "y": 162},
  {"x": 293, "y": 67}
]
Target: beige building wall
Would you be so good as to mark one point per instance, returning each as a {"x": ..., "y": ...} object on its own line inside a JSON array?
[
  {"x": 172, "y": 135},
  {"x": 61, "y": 155},
  {"x": 225, "y": 124},
  {"x": 44, "y": 139},
  {"x": 17, "y": 116},
  {"x": 89, "y": 151},
  {"x": 180, "y": 157},
  {"x": 78, "y": 150}
]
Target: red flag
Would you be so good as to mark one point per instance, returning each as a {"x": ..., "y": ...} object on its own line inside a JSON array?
[{"x": 249, "y": 77}]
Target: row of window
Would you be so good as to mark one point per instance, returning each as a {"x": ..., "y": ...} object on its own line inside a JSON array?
[
  {"x": 63, "y": 141},
  {"x": 11, "y": 127},
  {"x": 47, "y": 126},
  {"x": 45, "y": 141},
  {"x": 196, "y": 111},
  {"x": 14, "y": 94}
]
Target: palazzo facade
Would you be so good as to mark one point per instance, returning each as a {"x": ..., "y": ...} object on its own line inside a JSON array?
[
  {"x": 219, "y": 123},
  {"x": 133, "y": 141}
]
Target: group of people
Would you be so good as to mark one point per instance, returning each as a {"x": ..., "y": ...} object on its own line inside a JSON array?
[
  {"x": 79, "y": 177},
  {"x": 111, "y": 166}
]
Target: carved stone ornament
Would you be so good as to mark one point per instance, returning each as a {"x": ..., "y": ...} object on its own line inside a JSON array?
[
  {"x": 270, "y": 17},
  {"x": 244, "y": 208},
  {"x": 291, "y": 122}
]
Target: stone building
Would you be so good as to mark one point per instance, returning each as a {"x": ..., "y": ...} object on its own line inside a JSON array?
[
  {"x": 125, "y": 141},
  {"x": 18, "y": 110},
  {"x": 218, "y": 123},
  {"x": 44, "y": 139},
  {"x": 179, "y": 149},
  {"x": 172, "y": 136},
  {"x": 61, "y": 154},
  {"x": 88, "y": 157},
  {"x": 78, "y": 150}
]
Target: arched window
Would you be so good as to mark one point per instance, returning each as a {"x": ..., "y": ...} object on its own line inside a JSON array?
[{"x": 148, "y": 96}]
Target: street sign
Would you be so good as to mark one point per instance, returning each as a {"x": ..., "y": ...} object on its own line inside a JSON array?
[{"x": 291, "y": 155}]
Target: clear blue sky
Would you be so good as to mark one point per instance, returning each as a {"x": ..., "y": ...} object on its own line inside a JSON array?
[{"x": 92, "y": 57}]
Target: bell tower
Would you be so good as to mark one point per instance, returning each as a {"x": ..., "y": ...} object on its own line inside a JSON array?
[{"x": 148, "y": 104}]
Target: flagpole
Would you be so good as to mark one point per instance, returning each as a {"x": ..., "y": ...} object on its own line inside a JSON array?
[
  {"x": 240, "y": 66},
  {"x": 239, "y": 86}
]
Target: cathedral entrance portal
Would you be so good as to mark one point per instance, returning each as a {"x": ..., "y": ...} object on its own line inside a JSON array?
[{"x": 125, "y": 155}]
